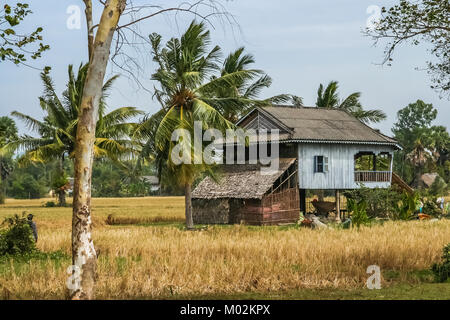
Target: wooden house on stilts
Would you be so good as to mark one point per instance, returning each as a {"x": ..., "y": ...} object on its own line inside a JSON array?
[{"x": 318, "y": 149}]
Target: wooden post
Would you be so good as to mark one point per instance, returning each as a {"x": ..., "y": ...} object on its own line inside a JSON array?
[
  {"x": 302, "y": 196},
  {"x": 338, "y": 206}
]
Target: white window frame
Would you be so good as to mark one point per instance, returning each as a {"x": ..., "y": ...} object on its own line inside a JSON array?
[{"x": 325, "y": 164}]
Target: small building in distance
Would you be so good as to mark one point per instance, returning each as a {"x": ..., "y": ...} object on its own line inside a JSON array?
[
  {"x": 427, "y": 179},
  {"x": 154, "y": 183}
]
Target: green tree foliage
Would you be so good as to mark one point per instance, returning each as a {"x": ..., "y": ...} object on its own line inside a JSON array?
[
  {"x": 426, "y": 147},
  {"x": 193, "y": 87},
  {"x": 26, "y": 187},
  {"x": 244, "y": 88},
  {"x": 380, "y": 201},
  {"x": 419, "y": 157},
  {"x": 358, "y": 211},
  {"x": 431, "y": 207},
  {"x": 8, "y": 133},
  {"x": 406, "y": 207},
  {"x": 386, "y": 203},
  {"x": 417, "y": 22},
  {"x": 438, "y": 188},
  {"x": 31, "y": 182},
  {"x": 442, "y": 270},
  {"x": 57, "y": 132},
  {"x": 17, "y": 237},
  {"x": 16, "y": 46},
  {"x": 329, "y": 98},
  {"x": 111, "y": 179}
]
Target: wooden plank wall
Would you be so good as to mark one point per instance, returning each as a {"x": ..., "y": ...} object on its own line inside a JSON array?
[{"x": 341, "y": 165}]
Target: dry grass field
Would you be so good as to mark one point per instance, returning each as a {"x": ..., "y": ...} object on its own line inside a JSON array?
[{"x": 158, "y": 259}]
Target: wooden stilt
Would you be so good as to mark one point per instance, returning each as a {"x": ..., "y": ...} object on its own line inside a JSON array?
[
  {"x": 338, "y": 206},
  {"x": 302, "y": 196}
]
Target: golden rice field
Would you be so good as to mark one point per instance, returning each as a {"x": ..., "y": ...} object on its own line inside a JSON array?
[{"x": 161, "y": 260}]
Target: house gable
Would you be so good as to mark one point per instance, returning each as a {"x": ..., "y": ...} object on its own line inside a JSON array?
[
  {"x": 314, "y": 125},
  {"x": 259, "y": 119}
]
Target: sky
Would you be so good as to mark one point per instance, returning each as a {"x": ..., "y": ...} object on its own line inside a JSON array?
[{"x": 300, "y": 44}]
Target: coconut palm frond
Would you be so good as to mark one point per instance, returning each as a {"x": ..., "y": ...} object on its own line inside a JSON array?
[
  {"x": 32, "y": 123},
  {"x": 227, "y": 80},
  {"x": 329, "y": 98},
  {"x": 59, "y": 128},
  {"x": 351, "y": 102},
  {"x": 368, "y": 116},
  {"x": 209, "y": 116},
  {"x": 254, "y": 89}
]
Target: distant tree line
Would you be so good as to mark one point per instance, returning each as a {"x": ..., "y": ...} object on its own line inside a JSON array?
[{"x": 426, "y": 147}]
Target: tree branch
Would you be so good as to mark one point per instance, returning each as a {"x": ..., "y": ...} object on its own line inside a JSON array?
[{"x": 90, "y": 27}]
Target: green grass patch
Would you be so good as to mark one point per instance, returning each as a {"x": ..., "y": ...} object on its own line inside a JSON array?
[
  {"x": 424, "y": 291},
  {"x": 20, "y": 264}
]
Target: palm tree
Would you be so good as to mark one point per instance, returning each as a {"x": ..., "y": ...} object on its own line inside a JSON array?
[
  {"x": 329, "y": 98},
  {"x": 418, "y": 157},
  {"x": 247, "y": 89},
  {"x": 57, "y": 132},
  {"x": 8, "y": 133},
  {"x": 189, "y": 91}
]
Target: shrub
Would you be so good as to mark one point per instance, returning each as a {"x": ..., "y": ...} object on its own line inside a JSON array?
[
  {"x": 438, "y": 188},
  {"x": 359, "y": 212},
  {"x": 442, "y": 270},
  {"x": 431, "y": 207},
  {"x": 17, "y": 238},
  {"x": 50, "y": 204},
  {"x": 380, "y": 202},
  {"x": 406, "y": 207}
]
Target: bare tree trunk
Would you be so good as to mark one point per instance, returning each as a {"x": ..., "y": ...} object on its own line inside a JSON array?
[
  {"x": 90, "y": 26},
  {"x": 188, "y": 204},
  {"x": 83, "y": 252}
]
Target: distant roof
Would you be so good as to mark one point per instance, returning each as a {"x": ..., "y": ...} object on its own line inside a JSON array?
[
  {"x": 151, "y": 179},
  {"x": 429, "y": 178},
  {"x": 240, "y": 182},
  {"x": 312, "y": 124}
]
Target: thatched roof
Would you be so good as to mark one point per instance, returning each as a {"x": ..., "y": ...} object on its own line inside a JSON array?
[
  {"x": 429, "y": 178},
  {"x": 311, "y": 124},
  {"x": 240, "y": 182}
]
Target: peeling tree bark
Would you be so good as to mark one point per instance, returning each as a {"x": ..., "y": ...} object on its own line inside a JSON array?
[
  {"x": 90, "y": 26},
  {"x": 83, "y": 252}
]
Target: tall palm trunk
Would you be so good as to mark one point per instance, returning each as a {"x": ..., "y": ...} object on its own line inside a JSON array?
[
  {"x": 188, "y": 204},
  {"x": 418, "y": 171},
  {"x": 62, "y": 189},
  {"x": 2, "y": 188},
  {"x": 83, "y": 252},
  {"x": 62, "y": 197}
]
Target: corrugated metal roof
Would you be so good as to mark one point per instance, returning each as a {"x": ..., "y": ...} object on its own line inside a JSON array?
[
  {"x": 311, "y": 124},
  {"x": 240, "y": 182}
]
